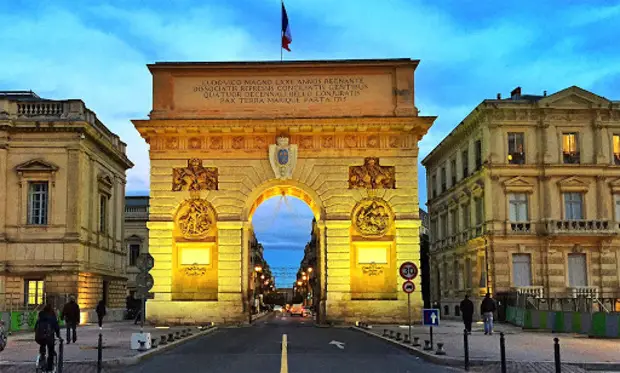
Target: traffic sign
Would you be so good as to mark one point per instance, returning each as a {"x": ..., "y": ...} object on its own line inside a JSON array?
[
  {"x": 408, "y": 287},
  {"x": 408, "y": 270},
  {"x": 431, "y": 317},
  {"x": 144, "y": 281},
  {"x": 145, "y": 262},
  {"x": 142, "y": 293}
]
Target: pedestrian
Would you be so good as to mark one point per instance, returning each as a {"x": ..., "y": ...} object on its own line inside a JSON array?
[
  {"x": 100, "y": 310},
  {"x": 44, "y": 330},
  {"x": 486, "y": 309},
  {"x": 71, "y": 315},
  {"x": 467, "y": 311}
]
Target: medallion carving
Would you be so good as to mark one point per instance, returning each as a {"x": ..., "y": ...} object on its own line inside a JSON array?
[
  {"x": 194, "y": 177},
  {"x": 195, "y": 270},
  {"x": 372, "y": 217},
  {"x": 306, "y": 142},
  {"x": 372, "y": 175},
  {"x": 350, "y": 141},
  {"x": 372, "y": 269},
  {"x": 394, "y": 141},
  {"x": 283, "y": 157},
  {"x": 216, "y": 143},
  {"x": 172, "y": 143},
  {"x": 373, "y": 141},
  {"x": 194, "y": 143},
  {"x": 237, "y": 142},
  {"x": 195, "y": 218},
  {"x": 328, "y": 142}
]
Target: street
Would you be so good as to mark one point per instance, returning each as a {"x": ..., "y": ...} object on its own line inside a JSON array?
[{"x": 259, "y": 349}]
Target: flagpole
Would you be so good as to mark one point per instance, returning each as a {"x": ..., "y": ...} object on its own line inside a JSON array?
[{"x": 281, "y": 31}]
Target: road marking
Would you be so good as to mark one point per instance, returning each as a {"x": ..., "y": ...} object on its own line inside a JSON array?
[
  {"x": 284, "y": 361},
  {"x": 340, "y": 345}
]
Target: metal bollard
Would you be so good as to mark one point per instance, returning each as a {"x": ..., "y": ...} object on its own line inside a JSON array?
[
  {"x": 154, "y": 342},
  {"x": 391, "y": 334},
  {"x": 440, "y": 350},
  {"x": 416, "y": 342},
  {"x": 177, "y": 335},
  {"x": 427, "y": 345},
  {"x": 502, "y": 351},
  {"x": 170, "y": 337},
  {"x": 556, "y": 353},
  {"x": 466, "y": 348},
  {"x": 189, "y": 331},
  {"x": 398, "y": 336},
  {"x": 385, "y": 333},
  {"x": 61, "y": 355},
  {"x": 164, "y": 340},
  {"x": 407, "y": 341},
  {"x": 99, "y": 353}
]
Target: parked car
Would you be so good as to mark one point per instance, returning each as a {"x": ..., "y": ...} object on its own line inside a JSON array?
[
  {"x": 277, "y": 308},
  {"x": 297, "y": 309},
  {"x": 307, "y": 312}
]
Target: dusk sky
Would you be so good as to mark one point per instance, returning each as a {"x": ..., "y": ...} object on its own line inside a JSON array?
[{"x": 469, "y": 50}]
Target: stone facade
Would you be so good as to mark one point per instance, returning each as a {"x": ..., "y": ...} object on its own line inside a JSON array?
[
  {"x": 61, "y": 203},
  {"x": 136, "y": 235},
  {"x": 350, "y": 130},
  {"x": 523, "y": 198}
]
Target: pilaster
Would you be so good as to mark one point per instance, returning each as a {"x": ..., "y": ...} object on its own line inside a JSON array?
[
  {"x": 229, "y": 237},
  {"x": 160, "y": 247}
]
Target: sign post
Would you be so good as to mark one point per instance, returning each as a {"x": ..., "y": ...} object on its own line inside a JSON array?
[
  {"x": 430, "y": 318},
  {"x": 408, "y": 271},
  {"x": 144, "y": 282}
]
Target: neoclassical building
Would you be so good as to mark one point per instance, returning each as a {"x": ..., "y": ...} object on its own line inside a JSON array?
[
  {"x": 136, "y": 235},
  {"x": 61, "y": 204},
  {"x": 524, "y": 196}
]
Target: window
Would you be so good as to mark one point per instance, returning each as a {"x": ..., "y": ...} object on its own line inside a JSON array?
[
  {"x": 434, "y": 232},
  {"x": 617, "y": 150},
  {"x": 521, "y": 270},
  {"x": 34, "y": 292},
  {"x": 479, "y": 211},
  {"x": 570, "y": 148},
  {"x": 134, "y": 252},
  {"x": 456, "y": 272},
  {"x": 465, "y": 163},
  {"x": 478, "y": 150},
  {"x": 468, "y": 273},
  {"x": 518, "y": 207},
  {"x": 577, "y": 270},
  {"x": 573, "y": 206},
  {"x": 516, "y": 155},
  {"x": 434, "y": 185},
  {"x": 37, "y": 203},
  {"x": 466, "y": 216},
  {"x": 103, "y": 213},
  {"x": 453, "y": 171},
  {"x": 453, "y": 222},
  {"x": 444, "y": 226},
  {"x": 443, "y": 179},
  {"x": 617, "y": 210}
]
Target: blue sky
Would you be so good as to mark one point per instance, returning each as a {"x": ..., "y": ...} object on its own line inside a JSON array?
[{"x": 469, "y": 50}]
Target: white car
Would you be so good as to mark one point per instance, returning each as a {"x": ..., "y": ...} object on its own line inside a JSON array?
[{"x": 278, "y": 309}]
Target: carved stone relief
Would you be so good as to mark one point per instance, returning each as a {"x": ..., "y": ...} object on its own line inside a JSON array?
[
  {"x": 216, "y": 143},
  {"x": 195, "y": 218},
  {"x": 373, "y": 141},
  {"x": 172, "y": 143},
  {"x": 194, "y": 177},
  {"x": 237, "y": 142},
  {"x": 328, "y": 142},
  {"x": 372, "y": 175},
  {"x": 372, "y": 217},
  {"x": 195, "y": 143}
]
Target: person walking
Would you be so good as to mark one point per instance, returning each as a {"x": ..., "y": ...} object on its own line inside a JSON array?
[
  {"x": 467, "y": 312},
  {"x": 44, "y": 330},
  {"x": 486, "y": 310},
  {"x": 71, "y": 315},
  {"x": 101, "y": 312}
]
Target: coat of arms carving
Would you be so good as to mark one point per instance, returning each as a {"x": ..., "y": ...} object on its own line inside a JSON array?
[
  {"x": 194, "y": 177},
  {"x": 283, "y": 157}
]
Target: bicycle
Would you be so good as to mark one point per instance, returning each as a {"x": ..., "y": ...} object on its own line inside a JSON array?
[{"x": 41, "y": 363}]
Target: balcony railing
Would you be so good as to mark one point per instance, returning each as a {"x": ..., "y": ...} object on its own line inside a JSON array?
[
  {"x": 521, "y": 227},
  {"x": 516, "y": 158},
  {"x": 136, "y": 213},
  {"x": 584, "y": 291},
  {"x": 579, "y": 227},
  {"x": 530, "y": 291},
  {"x": 571, "y": 158}
]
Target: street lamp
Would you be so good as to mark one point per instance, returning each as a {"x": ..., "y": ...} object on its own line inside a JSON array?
[
  {"x": 262, "y": 277},
  {"x": 299, "y": 283},
  {"x": 304, "y": 277},
  {"x": 310, "y": 269},
  {"x": 258, "y": 268}
]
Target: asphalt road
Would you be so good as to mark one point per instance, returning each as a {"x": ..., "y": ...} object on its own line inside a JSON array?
[{"x": 258, "y": 348}]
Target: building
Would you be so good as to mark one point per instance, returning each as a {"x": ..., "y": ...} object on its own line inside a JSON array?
[
  {"x": 524, "y": 197},
  {"x": 425, "y": 258},
  {"x": 61, "y": 205},
  {"x": 136, "y": 235}
]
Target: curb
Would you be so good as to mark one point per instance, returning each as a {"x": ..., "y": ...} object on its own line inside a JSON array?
[
  {"x": 122, "y": 361},
  {"x": 259, "y": 316},
  {"x": 459, "y": 362}
]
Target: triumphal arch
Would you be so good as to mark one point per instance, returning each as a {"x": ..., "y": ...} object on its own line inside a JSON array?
[{"x": 340, "y": 135}]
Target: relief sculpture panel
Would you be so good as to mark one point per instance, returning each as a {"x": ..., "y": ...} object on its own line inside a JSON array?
[
  {"x": 372, "y": 217},
  {"x": 372, "y": 175},
  {"x": 194, "y": 177},
  {"x": 195, "y": 218}
]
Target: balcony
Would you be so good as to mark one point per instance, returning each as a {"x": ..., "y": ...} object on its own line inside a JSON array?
[
  {"x": 522, "y": 227},
  {"x": 580, "y": 227},
  {"x": 584, "y": 291},
  {"x": 136, "y": 213},
  {"x": 571, "y": 158},
  {"x": 617, "y": 159},
  {"x": 516, "y": 158},
  {"x": 530, "y": 291}
]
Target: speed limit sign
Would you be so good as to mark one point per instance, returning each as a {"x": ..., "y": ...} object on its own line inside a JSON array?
[{"x": 408, "y": 271}]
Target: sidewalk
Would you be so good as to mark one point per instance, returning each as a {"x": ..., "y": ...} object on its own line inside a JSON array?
[
  {"x": 21, "y": 348},
  {"x": 521, "y": 346}
]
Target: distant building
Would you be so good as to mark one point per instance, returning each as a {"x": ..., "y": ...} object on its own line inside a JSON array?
[
  {"x": 425, "y": 258},
  {"x": 61, "y": 203},
  {"x": 136, "y": 235},
  {"x": 524, "y": 198}
]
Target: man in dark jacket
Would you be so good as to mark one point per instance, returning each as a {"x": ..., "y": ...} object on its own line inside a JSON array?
[
  {"x": 71, "y": 315},
  {"x": 467, "y": 311},
  {"x": 486, "y": 310},
  {"x": 45, "y": 328},
  {"x": 101, "y": 312}
]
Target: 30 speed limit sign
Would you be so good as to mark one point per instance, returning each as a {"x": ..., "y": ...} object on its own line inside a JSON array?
[{"x": 408, "y": 271}]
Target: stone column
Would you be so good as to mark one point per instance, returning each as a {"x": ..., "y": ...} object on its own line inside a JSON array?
[
  {"x": 322, "y": 270},
  {"x": 338, "y": 249},
  {"x": 160, "y": 247},
  {"x": 245, "y": 265},
  {"x": 74, "y": 183},
  {"x": 229, "y": 294}
]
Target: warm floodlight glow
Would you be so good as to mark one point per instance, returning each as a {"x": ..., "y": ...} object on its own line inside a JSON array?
[
  {"x": 258, "y": 268},
  {"x": 310, "y": 269},
  {"x": 299, "y": 283}
]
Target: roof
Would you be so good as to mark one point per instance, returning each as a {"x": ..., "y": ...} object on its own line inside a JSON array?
[
  {"x": 20, "y": 96},
  {"x": 136, "y": 201},
  {"x": 246, "y": 64}
]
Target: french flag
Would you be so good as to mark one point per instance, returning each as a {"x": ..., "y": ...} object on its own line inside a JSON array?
[{"x": 286, "y": 30}]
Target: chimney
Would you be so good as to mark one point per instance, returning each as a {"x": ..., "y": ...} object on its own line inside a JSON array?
[
  {"x": 544, "y": 93},
  {"x": 499, "y": 96},
  {"x": 516, "y": 93}
]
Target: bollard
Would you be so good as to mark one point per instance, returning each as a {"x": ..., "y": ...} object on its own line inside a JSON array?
[
  {"x": 183, "y": 333},
  {"x": 142, "y": 347},
  {"x": 99, "y": 353},
  {"x": 154, "y": 342},
  {"x": 385, "y": 333},
  {"x": 407, "y": 341},
  {"x": 502, "y": 351},
  {"x": 398, "y": 336},
  {"x": 427, "y": 345},
  {"x": 466, "y": 348},
  {"x": 416, "y": 342},
  {"x": 61, "y": 355},
  {"x": 189, "y": 331},
  {"x": 170, "y": 337},
  {"x": 556, "y": 353},
  {"x": 177, "y": 335},
  {"x": 164, "y": 340},
  {"x": 440, "y": 350},
  {"x": 391, "y": 334}
]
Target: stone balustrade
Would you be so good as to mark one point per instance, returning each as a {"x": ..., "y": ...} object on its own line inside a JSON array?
[
  {"x": 136, "y": 213},
  {"x": 580, "y": 227},
  {"x": 522, "y": 227},
  {"x": 584, "y": 291},
  {"x": 532, "y": 291}
]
